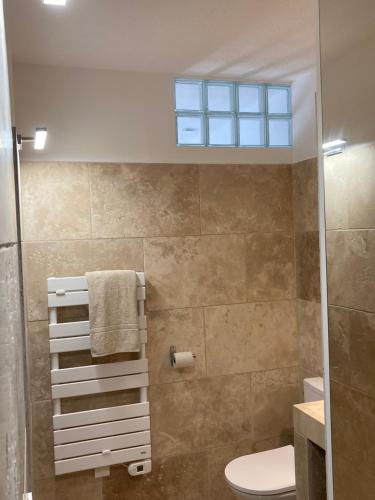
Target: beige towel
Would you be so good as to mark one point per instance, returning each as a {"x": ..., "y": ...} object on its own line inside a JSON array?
[{"x": 113, "y": 312}]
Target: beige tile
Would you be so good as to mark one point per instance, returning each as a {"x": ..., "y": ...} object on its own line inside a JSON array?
[
  {"x": 351, "y": 269},
  {"x": 144, "y": 200},
  {"x": 55, "y": 201},
  {"x": 199, "y": 414},
  {"x": 275, "y": 335},
  {"x": 270, "y": 266},
  {"x": 352, "y": 479},
  {"x": 308, "y": 266},
  {"x": 42, "y": 440},
  {"x": 40, "y": 377},
  {"x": 195, "y": 271},
  {"x": 184, "y": 476},
  {"x": 72, "y": 258},
  {"x": 353, "y": 428},
  {"x": 77, "y": 486},
  {"x": 229, "y": 334},
  {"x": 218, "y": 458},
  {"x": 352, "y": 348},
  {"x": 247, "y": 198},
  {"x": 302, "y": 466},
  {"x": 273, "y": 394},
  {"x": 339, "y": 344},
  {"x": 305, "y": 195},
  {"x": 38, "y": 338},
  {"x": 350, "y": 184},
  {"x": 182, "y": 328},
  {"x": 310, "y": 337},
  {"x": 101, "y": 400}
]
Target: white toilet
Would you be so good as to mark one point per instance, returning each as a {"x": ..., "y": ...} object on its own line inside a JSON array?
[{"x": 269, "y": 475}]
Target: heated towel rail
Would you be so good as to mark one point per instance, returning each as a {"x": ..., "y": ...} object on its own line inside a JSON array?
[{"x": 96, "y": 439}]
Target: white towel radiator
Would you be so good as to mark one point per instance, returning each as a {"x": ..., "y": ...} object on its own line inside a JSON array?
[{"x": 96, "y": 439}]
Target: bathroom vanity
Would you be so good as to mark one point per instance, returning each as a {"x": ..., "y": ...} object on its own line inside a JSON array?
[{"x": 309, "y": 443}]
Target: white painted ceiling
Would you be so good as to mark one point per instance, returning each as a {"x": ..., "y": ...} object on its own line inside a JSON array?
[{"x": 258, "y": 40}]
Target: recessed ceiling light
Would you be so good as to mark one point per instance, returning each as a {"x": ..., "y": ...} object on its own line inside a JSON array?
[
  {"x": 54, "y": 2},
  {"x": 40, "y": 138}
]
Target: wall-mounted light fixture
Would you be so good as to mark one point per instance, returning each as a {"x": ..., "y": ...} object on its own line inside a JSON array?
[
  {"x": 55, "y": 2},
  {"x": 39, "y": 139},
  {"x": 334, "y": 147}
]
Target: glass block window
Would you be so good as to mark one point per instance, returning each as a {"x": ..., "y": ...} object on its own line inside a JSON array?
[{"x": 232, "y": 114}]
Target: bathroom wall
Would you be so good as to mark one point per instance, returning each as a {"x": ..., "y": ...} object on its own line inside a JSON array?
[
  {"x": 217, "y": 246},
  {"x": 306, "y": 234},
  {"x": 97, "y": 115},
  {"x": 348, "y": 83},
  {"x": 12, "y": 404}
]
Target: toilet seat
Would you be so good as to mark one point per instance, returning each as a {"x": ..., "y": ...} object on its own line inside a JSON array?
[{"x": 266, "y": 473}]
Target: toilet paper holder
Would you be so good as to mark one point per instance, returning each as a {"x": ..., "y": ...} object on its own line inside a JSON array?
[{"x": 172, "y": 352}]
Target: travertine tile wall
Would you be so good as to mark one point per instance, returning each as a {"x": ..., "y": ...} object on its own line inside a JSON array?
[
  {"x": 12, "y": 395},
  {"x": 217, "y": 246},
  {"x": 350, "y": 212},
  {"x": 306, "y": 226}
]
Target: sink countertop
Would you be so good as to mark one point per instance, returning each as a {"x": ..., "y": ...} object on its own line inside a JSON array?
[{"x": 309, "y": 421}]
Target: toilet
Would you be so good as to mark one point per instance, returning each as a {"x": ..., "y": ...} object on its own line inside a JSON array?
[{"x": 270, "y": 475}]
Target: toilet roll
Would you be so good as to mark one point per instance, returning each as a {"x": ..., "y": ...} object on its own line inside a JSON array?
[{"x": 183, "y": 360}]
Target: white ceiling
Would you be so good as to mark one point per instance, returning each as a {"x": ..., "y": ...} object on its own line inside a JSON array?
[{"x": 259, "y": 40}]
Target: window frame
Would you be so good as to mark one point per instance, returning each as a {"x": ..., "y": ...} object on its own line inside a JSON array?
[{"x": 235, "y": 113}]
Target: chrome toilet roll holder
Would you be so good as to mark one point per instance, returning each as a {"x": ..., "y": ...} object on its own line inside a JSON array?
[{"x": 172, "y": 353}]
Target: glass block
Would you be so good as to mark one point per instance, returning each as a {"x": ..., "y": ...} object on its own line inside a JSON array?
[
  {"x": 278, "y": 100},
  {"x": 251, "y": 131},
  {"x": 219, "y": 97},
  {"x": 279, "y": 132},
  {"x": 221, "y": 130},
  {"x": 188, "y": 96},
  {"x": 190, "y": 130},
  {"x": 249, "y": 99}
]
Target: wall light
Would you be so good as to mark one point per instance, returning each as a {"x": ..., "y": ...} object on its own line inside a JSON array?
[
  {"x": 40, "y": 138},
  {"x": 334, "y": 147},
  {"x": 54, "y": 2}
]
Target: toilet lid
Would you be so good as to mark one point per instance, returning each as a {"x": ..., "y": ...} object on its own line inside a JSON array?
[{"x": 266, "y": 473}]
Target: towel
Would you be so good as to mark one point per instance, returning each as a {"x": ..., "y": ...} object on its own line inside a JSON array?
[{"x": 113, "y": 312}]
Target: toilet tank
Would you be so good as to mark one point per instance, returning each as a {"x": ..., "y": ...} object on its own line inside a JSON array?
[{"x": 313, "y": 389}]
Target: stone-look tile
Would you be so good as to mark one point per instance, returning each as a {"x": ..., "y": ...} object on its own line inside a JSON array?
[
  {"x": 55, "y": 201},
  {"x": 229, "y": 332},
  {"x": 308, "y": 266},
  {"x": 195, "y": 271},
  {"x": 353, "y": 432},
  {"x": 37, "y": 338},
  {"x": 350, "y": 185},
  {"x": 270, "y": 266},
  {"x": 218, "y": 459},
  {"x": 101, "y": 400},
  {"x": 77, "y": 486},
  {"x": 275, "y": 335},
  {"x": 144, "y": 200},
  {"x": 351, "y": 269},
  {"x": 274, "y": 393},
  {"x": 310, "y": 338},
  {"x": 339, "y": 344},
  {"x": 240, "y": 199},
  {"x": 305, "y": 195},
  {"x": 183, "y": 328},
  {"x": 42, "y": 440},
  {"x": 246, "y": 337},
  {"x": 199, "y": 414},
  {"x": 352, "y": 348},
  {"x": 171, "y": 478},
  {"x": 40, "y": 378},
  {"x": 72, "y": 258},
  {"x": 302, "y": 466},
  {"x": 352, "y": 479}
]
